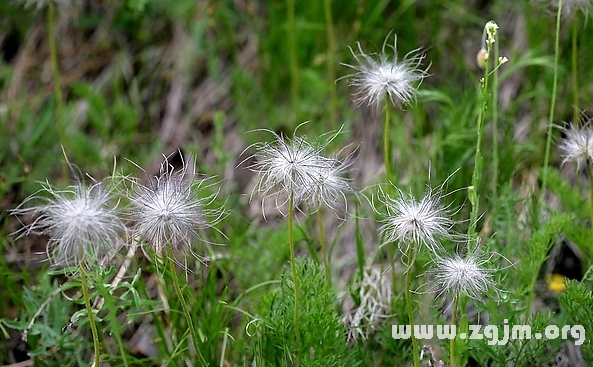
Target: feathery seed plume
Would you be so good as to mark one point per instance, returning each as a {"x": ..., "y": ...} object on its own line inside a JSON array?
[
  {"x": 169, "y": 209},
  {"x": 378, "y": 76},
  {"x": 297, "y": 166},
  {"x": 82, "y": 226},
  {"x": 577, "y": 146},
  {"x": 463, "y": 275},
  {"x": 375, "y": 294},
  {"x": 409, "y": 221}
]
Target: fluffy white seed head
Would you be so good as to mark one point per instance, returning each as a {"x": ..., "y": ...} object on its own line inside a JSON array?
[
  {"x": 378, "y": 76},
  {"x": 408, "y": 221},
  {"x": 297, "y": 166},
  {"x": 462, "y": 275},
  {"x": 169, "y": 209},
  {"x": 330, "y": 186},
  {"x": 375, "y": 295},
  {"x": 577, "y": 145},
  {"x": 82, "y": 226}
]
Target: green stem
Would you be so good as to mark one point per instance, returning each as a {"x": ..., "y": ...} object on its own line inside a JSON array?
[
  {"x": 89, "y": 310},
  {"x": 452, "y": 341},
  {"x": 190, "y": 324},
  {"x": 477, "y": 174},
  {"x": 575, "y": 83},
  {"x": 331, "y": 69},
  {"x": 590, "y": 172},
  {"x": 115, "y": 329},
  {"x": 495, "y": 120},
  {"x": 552, "y": 102},
  {"x": 293, "y": 64},
  {"x": 53, "y": 54},
  {"x": 386, "y": 146},
  {"x": 410, "y": 263},
  {"x": 294, "y": 273},
  {"x": 387, "y": 160},
  {"x": 323, "y": 250}
]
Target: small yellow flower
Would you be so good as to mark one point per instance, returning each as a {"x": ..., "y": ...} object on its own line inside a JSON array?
[{"x": 556, "y": 283}]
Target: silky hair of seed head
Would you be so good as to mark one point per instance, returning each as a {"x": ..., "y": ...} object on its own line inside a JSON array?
[
  {"x": 409, "y": 221},
  {"x": 375, "y": 297},
  {"x": 297, "y": 166},
  {"x": 577, "y": 145},
  {"x": 377, "y": 76},
  {"x": 170, "y": 210},
  {"x": 82, "y": 226}
]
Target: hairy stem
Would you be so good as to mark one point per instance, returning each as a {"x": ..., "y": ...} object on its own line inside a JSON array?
[
  {"x": 386, "y": 146},
  {"x": 477, "y": 174},
  {"x": 89, "y": 310},
  {"x": 575, "y": 77},
  {"x": 53, "y": 54},
  {"x": 323, "y": 249},
  {"x": 452, "y": 341},
  {"x": 387, "y": 161},
  {"x": 331, "y": 70},
  {"x": 294, "y": 273},
  {"x": 409, "y": 265},
  {"x": 495, "y": 121},
  {"x": 116, "y": 331},
  {"x": 190, "y": 324},
  {"x": 293, "y": 63},
  {"x": 552, "y": 102},
  {"x": 590, "y": 172}
]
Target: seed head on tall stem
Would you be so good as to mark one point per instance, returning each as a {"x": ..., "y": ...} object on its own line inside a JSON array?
[
  {"x": 297, "y": 166},
  {"x": 380, "y": 76},
  {"x": 82, "y": 223},
  {"x": 170, "y": 209},
  {"x": 412, "y": 222}
]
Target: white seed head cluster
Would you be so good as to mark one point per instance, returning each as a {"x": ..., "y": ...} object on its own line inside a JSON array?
[
  {"x": 82, "y": 226},
  {"x": 331, "y": 186},
  {"x": 297, "y": 167},
  {"x": 577, "y": 145},
  {"x": 462, "y": 275},
  {"x": 408, "y": 221},
  {"x": 378, "y": 76},
  {"x": 169, "y": 209},
  {"x": 375, "y": 294}
]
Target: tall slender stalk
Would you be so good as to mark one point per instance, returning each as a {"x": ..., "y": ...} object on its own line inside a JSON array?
[
  {"x": 453, "y": 322},
  {"x": 116, "y": 330},
  {"x": 575, "y": 82},
  {"x": 323, "y": 249},
  {"x": 293, "y": 63},
  {"x": 387, "y": 162},
  {"x": 590, "y": 172},
  {"x": 294, "y": 273},
  {"x": 552, "y": 102},
  {"x": 331, "y": 69},
  {"x": 495, "y": 161},
  {"x": 409, "y": 306},
  {"x": 53, "y": 54},
  {"x": 474, "y": 196},
  {"x": 190, "y": 324},
  {"x": 89, "y": 310},
  {"x": 386, "y": 146}
]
